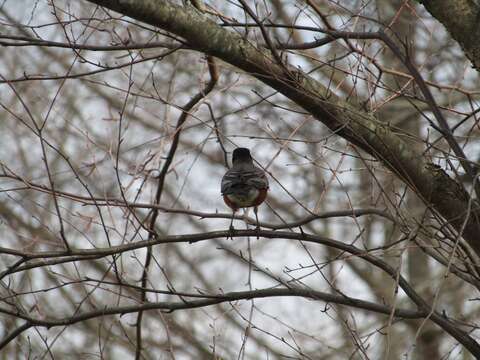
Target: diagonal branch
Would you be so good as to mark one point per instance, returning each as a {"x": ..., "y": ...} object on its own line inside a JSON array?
[
  {"x": 432, "y": 184},
  {"x": 160, "y": 186}
]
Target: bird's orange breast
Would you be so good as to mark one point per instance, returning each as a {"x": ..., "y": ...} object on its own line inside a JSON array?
[{"x": 254, "y": 198}]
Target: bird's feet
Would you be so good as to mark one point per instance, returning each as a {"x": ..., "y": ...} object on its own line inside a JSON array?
[
  {"x": 231, "y": 231},
  {"x": 257, "y": 230}
]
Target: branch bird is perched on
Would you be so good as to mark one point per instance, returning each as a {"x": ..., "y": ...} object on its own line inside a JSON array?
[{"x": 244, "y": 185}]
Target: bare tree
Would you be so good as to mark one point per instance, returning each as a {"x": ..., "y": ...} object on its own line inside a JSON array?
[{"x": 118, "y": 121}]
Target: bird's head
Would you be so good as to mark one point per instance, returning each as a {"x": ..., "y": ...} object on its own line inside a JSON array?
[{"x": 242, "y": 155}]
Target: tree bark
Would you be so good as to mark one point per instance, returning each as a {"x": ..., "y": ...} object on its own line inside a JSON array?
[{"x": 461, "y": 18}]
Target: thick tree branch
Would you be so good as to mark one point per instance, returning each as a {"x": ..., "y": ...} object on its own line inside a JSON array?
[
  {"x": 461, "y": 18},
  {"x": 377, "y": 138}
]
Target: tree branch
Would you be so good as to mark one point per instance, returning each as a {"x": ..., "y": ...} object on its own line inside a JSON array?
[
  {"x": 208, "y": 301},
  {"x": 423, "y": 306},
  {"x": 461, "y": 19},
  {"x": 432, "y": 184}
]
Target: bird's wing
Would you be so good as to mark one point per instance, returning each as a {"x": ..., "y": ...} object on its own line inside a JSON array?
[{"x": 254, "y": 177}]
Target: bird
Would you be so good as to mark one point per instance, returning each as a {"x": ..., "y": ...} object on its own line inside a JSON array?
[{"x": 244, "y": 184}]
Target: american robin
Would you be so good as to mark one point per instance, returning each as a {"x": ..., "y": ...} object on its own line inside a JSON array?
[{"x": 244, "y": 185}]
